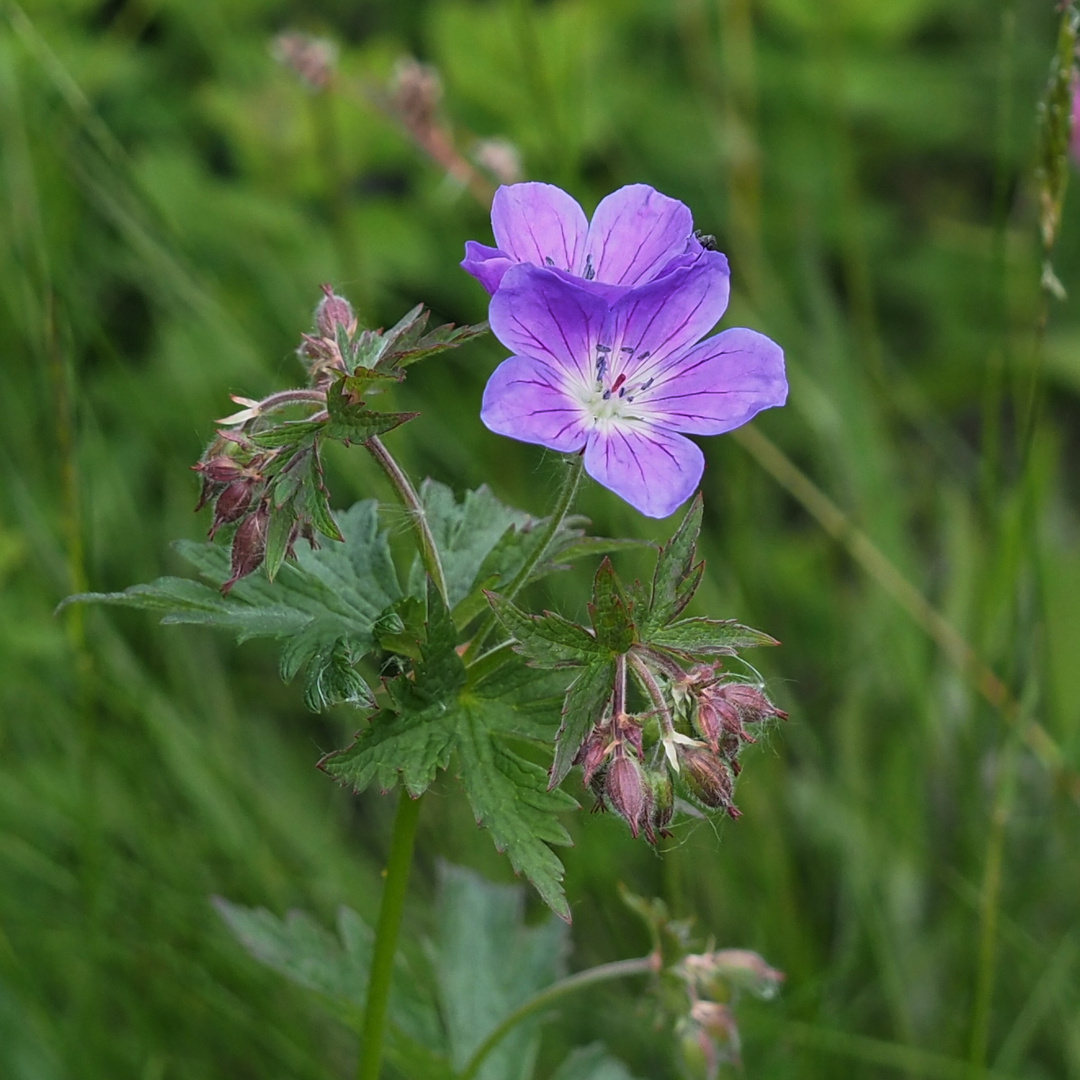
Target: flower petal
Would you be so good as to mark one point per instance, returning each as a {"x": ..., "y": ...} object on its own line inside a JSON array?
[
  {"x": 655, "y": 471},
  {"x": 634, "y": 232},
  {"x": 486, "y": 264},
  {"x": 537, "y": 313},
  {"x": 524, "y": 399},
  {"x": 667, "y": 316},
  {"x": 540, "y": 224},
  {"x": 718, "y": 385}
]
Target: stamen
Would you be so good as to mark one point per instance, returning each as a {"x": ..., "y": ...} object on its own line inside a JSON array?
[
  {"x": 590, "y": 273},
  {"x": 548, "y": 260}
]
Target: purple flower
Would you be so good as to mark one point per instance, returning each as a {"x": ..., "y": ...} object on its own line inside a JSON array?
[
  {"x": 636, "y": 236},
  {"x": 623, "y": 380}
]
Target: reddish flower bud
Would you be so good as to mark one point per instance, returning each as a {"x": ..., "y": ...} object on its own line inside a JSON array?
[
  {"x": 719, "y": 975},
  {"x": 723, "y": 708},
  {"x": 750, "y": 703},
  {"x": 593, "y": 752},
  {"x": 708, "y": 778},
  {"x": 248, "y": 546},
  {"x": 312, "y": 58},
  {"x": 231, "y": 504},
  {"x": 627, "y": 792},
  {"x": 220, "y": 469},
  {"x": 334, "y": 311}
]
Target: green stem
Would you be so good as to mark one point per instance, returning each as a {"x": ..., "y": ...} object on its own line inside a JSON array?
[
  {"x": 429, "y": 553},
  {"x": 386, "y": 936},
  {"x": 558, "y": 516},
  {"x": 619, "y": 969}
]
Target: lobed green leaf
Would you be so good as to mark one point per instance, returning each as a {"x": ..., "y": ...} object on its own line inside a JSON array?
[
  {"x": 709, "y": 637},
  {"x": 676, "y": 578},
  {"x": 583, "y": 707},
  {"x": 610, "y": 611},
  {"x": 548, "y": 640}
]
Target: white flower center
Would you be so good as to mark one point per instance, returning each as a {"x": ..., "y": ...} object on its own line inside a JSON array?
[{"x": 611, "y": 397}]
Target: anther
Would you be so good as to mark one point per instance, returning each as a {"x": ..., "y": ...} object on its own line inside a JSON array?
[
  {"x": 548, "y": 260},
  {"x": 590, "y": 273}
]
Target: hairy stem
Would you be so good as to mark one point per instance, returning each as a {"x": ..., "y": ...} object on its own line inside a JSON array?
[
  {"x": 386, "y": 936},
  {"x": 656, "y": 695},
  {"x": 619, "y": 969},
  {"x": 429, "y": 553},
  {"x": 539, "y": 553}
]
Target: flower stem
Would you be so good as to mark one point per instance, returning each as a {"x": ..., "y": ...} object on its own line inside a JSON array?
[
  {"x": 429, "y": 553},
  {"x": 619, "y": 969},
  {"x": 386, "y": 936},
  {"x": 558, "y": 516},
  {"x": 652, "y": 688}
]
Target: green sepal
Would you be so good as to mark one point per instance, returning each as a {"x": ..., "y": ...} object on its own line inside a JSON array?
[
  {"x": 610, "y": 611},
  {"x": 548, "y": 640},
  {"x": 583, "y": 708},
  {"x": 709, "y": 637}
]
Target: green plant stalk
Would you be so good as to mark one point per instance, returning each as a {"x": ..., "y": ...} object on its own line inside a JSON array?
[
  {"x": 377, "y": 1003},
  {"x": 619, "y": 969},
  {"x": 558, "y": 516},
  {"x": 989, "y": 910},
  {"x": 429, "y": 553}
]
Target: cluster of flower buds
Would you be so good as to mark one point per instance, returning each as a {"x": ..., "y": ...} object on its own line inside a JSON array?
[
  {"x": 314, "y": 59},
  {"x": 335, "y": 326},
  {"x": 708, "y": 1032},
  {"x": 691, "y": 738},
  {"x": 234, "y": 482}
]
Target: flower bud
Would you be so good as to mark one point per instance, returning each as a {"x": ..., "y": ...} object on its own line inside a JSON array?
[
  {"x": 221, "y": 469},
  {"x": 593, "y": 752},
  {"x": 415, "y": 93},
  {"x": 708, "y": 1038},
  {"x": 334, "y": 311},
  {"x": 248, "y": 546},
  {"x": 627, "y": 792},
  {"x": 661, "y": 804},
  {"x": 312, "y": 58},
  {"x": 749, "y": 702},
  {"x": 500, "y": 158},
  {"x": 231, "y": 504},
  {"x": 708, "y": 778},
  {"x": 723, "y": 708},
  {"x": 720, "y": 975}
]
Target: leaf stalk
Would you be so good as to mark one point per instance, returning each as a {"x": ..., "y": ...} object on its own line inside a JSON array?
[
  {"x": 429, "y": 553},
  {"x": 565, "y": 501}
]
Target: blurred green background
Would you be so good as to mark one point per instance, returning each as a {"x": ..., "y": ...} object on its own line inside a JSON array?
[{"x": 171, "y": 198}]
